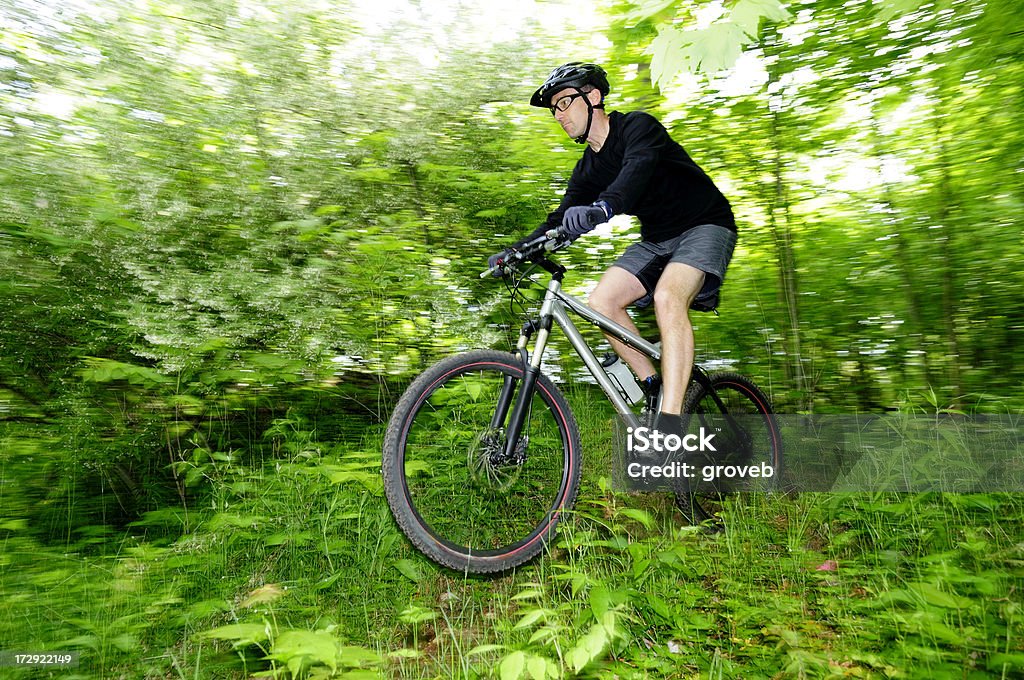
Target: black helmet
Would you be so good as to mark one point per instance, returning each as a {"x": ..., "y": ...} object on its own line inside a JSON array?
[{"x": 574, "y": 74}]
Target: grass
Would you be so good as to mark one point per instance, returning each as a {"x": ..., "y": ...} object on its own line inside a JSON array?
[{"x": 293, "y": 567}]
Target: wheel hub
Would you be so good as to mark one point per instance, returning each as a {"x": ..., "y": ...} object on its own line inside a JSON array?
[{"x": 491, "y": 466}]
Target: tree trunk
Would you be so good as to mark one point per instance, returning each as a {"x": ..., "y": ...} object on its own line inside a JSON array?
[
  {"x": 905, "y": 264},
  {"x": 779, "y": 222},
  {"x": 950, "y": 297},
  {"x": 417, "y": 199},
  {"x": 786, "y": 255}
]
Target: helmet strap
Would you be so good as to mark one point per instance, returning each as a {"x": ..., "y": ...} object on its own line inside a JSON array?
[{"x": 582, "y": 139}]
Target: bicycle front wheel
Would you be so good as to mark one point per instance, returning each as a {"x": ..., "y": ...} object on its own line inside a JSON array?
[
  {"x": 747, "y": 436},
  {"x": 456, "y": 493}
]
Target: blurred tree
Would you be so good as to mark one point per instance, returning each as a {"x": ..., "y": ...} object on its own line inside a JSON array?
[{"x": 216, "y": 212}]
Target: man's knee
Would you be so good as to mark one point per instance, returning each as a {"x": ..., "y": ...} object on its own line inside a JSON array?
[
  {"x": 678, "y": 288},
  {"x": 604, "y": 301},
  {"x": 616, "y": 291},
  {"x": 670, "y": 300}
]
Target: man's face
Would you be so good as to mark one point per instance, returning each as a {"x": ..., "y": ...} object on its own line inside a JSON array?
[{"x": 574, "y": 118}]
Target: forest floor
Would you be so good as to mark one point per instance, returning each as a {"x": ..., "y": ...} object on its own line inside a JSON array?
[{"x": 291, "y": 566}]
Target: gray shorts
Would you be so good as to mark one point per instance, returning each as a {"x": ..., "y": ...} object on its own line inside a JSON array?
[{"x": 707, "y": 247}]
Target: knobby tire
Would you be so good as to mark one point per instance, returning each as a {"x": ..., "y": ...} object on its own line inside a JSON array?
[
  {"x": 744, "y": 400},
  {"x": 449, "y": 486}
]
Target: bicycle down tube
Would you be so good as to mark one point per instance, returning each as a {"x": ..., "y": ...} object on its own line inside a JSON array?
[{"x": 554, "y": 309}]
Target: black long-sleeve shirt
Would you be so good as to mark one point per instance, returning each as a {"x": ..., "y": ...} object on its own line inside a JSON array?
[{"x": 640, "y": 170}]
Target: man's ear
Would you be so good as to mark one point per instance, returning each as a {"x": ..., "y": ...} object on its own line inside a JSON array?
[{"x": 594, "y": 96}]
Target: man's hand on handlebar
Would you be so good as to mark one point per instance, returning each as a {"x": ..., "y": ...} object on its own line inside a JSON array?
[
  {"x": 497, "y": 262},
  {"x": 502, "y": 262},
  {"x": 580, "y": 219}
]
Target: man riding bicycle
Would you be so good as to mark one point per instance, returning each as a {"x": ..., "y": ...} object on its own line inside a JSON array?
[{"x": 687, "y": 229}]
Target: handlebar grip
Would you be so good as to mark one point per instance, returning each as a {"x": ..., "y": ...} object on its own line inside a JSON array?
[{"x": 511, "y": 258}]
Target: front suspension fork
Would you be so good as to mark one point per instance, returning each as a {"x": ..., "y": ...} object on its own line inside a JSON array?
[{"x": 524, "y": 397}]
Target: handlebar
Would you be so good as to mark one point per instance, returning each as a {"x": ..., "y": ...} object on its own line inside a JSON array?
[{"x": 533, "y": 251}]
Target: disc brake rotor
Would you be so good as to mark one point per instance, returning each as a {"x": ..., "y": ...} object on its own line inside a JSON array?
[{"x": 489, "y": 465}]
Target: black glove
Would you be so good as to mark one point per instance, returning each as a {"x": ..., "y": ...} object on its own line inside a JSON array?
[
  {"x": 495, "y": 261},
  {"x": 580, "y": 219}
]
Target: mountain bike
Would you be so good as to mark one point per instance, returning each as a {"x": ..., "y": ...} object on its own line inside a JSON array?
[{"x": 482, "y": 455}]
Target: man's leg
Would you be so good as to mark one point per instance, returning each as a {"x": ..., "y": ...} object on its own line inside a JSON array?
[
  {"x": 675, "y": 292},
  {"x": 616, "y": 290}
]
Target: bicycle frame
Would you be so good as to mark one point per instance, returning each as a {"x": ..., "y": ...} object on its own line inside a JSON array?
[{"x": 555, "y": 310}]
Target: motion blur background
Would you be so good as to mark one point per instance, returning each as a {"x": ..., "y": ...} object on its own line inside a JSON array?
[{"x": 230, "y": 228}]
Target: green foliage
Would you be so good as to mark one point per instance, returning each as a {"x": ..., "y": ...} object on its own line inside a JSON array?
[
  {"x": 711, "y": 49},
  {"x": 298, "y": 570}
]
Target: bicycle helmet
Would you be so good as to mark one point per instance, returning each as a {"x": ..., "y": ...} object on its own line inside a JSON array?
[{"x": 575, "y": 74}]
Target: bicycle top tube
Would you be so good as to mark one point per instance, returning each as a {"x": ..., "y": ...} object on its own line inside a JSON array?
[{"x": 536, "y": 252}]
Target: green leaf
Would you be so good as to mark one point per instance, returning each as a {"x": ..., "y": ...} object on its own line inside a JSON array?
[
  {"x": 228, "y": 519},
  {"x": 610, "y": 622},
  {"x": 599, "y": 600},
  {"x": 717, "y": 47},
  {"x": 406, "y": 654},
  {"x": 644, "y": 9},
  {"x": 932, "y": 595},
  {"x": 511, "y": 667},
  {"x": 588, "y": 648},
  {"x": 537, "y": 667},
  {"x": 658, "y": 606},
  {"x": 241, "y": 634},
  {"x": 194, "y": 476},
  {"x": 496, "y": 212},
  {"x": 126, "y": 642},
  {"x": 414, "y": 467},
  {"x": 290, "y": 538},
  {"x": 414, "y": 614},
  {"x": 890, "y": 9},
  {"x": 297, "y": 647},
  {"x": 474, "y": 389},
  {"x": 529, "y": 594},
  {"x": 747, "y": 14},
  {"x": 939, "y": 630},
  {"x": 407, "y": 568},
  {"x": 531, "y": 617},
  {"x": 358, "y": 656},
  {"x": 667, "y": 56},
  {"x": 329, "y": 581},
  {"x": 543, "y": 634},
  {"x": 1008, "y": 661},
  {"x": 88, "y": 641},
  {"x": 365, "y": 478},
  {"x": 641, "y": 516},
  {"x": 709, "y": 50}
]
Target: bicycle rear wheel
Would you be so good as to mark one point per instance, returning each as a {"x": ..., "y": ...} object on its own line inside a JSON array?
[
  {"x": 452, "y": 488},
  {"x": 747, "y": 435}
]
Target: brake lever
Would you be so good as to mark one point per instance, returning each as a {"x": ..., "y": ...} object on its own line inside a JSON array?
[
  {"x": 556, "y": 240},
  {"x": 551, "y": 240},
  {"x": 514, "y": 257}
]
